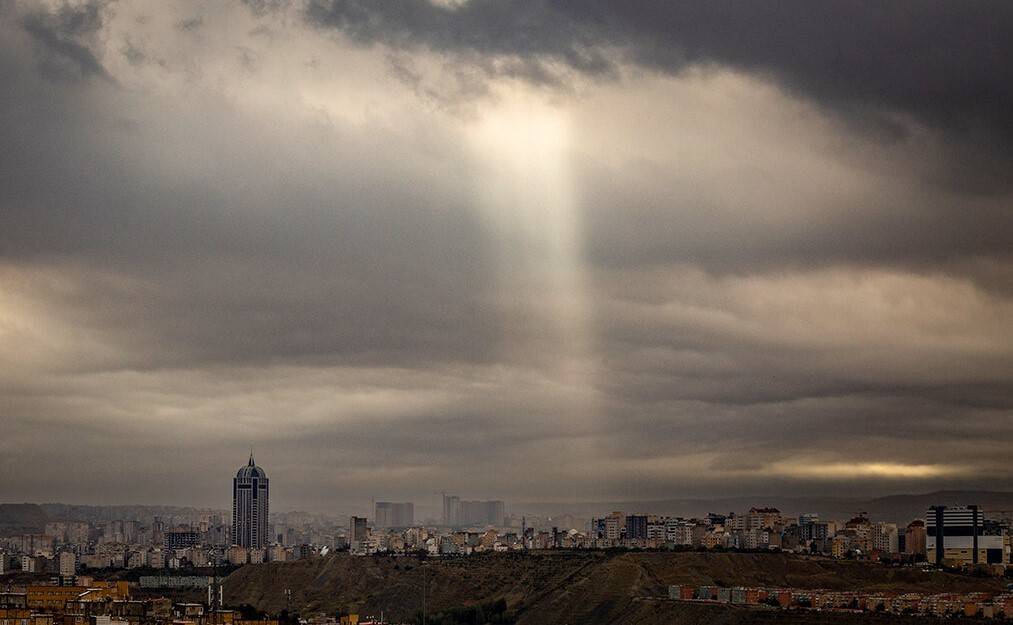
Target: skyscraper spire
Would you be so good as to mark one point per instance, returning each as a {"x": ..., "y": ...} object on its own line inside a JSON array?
[{"x": 251, "y": 464}]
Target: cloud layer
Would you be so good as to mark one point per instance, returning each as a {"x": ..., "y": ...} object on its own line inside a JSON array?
[{"x": 533, "y": 250}]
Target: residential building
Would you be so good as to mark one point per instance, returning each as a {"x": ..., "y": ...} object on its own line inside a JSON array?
[
  {"x": 451, "y": 510},
  {"x": 67, "y": 563},
  {"x": 656, "y": 528},
  {"x": 884, "y": 538},
  {"x": 180, "y": 539},
  {"x": 357, "y": 531},
  {"x": 636, "y": 527},
  {"x": 764, "y": 518},
  {"x": 914, "y": 538},
  {"x": 615, "y": 526}
]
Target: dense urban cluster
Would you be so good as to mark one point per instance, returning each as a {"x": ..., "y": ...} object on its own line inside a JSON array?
[
  {"x": 86, "y": 601},
  {"x": 957, "y": 536},
  {"x": 978, "y": 604},
  {"x": 954, "y": 535},
  {"x": 57, "y": 576}
]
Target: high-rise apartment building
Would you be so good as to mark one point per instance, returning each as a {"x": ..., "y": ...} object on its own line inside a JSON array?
[
  {"x": 457, "y": 512},
  {"x": 356, "y": 531},
  {"x": 489, "y": 512},
  {"x": 615, "y": 525},
  {"x": 67, "y": 563},
  {"x": 250, "y": 510},
  {"x": 451, "y": 510},
  {"x": 914, "y": 538},
  {"x": 636, "y": 526},
  {"x": 885, "y": 537}
]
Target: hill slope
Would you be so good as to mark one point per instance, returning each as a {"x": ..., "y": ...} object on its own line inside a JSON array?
[{"x": 558, "y": 587}]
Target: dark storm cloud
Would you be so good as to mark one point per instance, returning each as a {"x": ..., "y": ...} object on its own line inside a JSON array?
[
  {"x": 266, "y": 7},
  {"x": 943, "y": 63},
  {"x": 190, "y": 23},
  {"x": 63, "y": 38}
]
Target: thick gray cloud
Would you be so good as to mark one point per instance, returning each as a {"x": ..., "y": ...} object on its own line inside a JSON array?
[
  {"x": 530, "y": 250},
  {"x": 940, "y": 62},
  {"x": 62, "y": 37}
]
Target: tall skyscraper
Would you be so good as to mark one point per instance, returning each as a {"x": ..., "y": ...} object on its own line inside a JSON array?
[
  {"x": 451, "y": 509},
  {"x": 250, "y": 507}
]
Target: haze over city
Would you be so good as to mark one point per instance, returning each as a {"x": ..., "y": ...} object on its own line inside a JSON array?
[{"x": 514, "y": 250}]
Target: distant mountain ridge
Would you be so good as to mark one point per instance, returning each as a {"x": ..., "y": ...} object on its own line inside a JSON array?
[
  {"x": 22, "y": 518},
  {"x": 29, "y": 517},
  {"x": 143, "y": 513},
  {"x": 899, "y": 508}
]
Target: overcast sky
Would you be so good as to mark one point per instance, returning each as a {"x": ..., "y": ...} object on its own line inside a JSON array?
[{"x": 526, "y": 249}]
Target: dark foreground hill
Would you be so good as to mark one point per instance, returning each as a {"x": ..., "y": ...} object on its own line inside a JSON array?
[{"x": 563, "y": 587}]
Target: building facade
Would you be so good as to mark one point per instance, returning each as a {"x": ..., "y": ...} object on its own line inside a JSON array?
[
  {"x": 636, "y": 526},
  {"x": 955, "y": 534},
  {"x": 357, "y": 532},
  {"x": 250, "y": 509},
  {"x": 68, "y": 563}
]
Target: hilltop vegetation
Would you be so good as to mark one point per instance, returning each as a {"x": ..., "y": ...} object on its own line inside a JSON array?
[{"x": 563, "y": 587}]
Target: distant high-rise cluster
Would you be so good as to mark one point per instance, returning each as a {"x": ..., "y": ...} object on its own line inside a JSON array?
[
  {"x": 390, "y": 514},
  {"x": 457, "y": 513},
  {"x": 250, "y": 496}
]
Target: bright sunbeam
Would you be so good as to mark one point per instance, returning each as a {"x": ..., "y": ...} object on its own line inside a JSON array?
[{"x": 526, "y": 194}]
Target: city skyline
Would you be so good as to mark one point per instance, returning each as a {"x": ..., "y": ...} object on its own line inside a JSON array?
[{"x": 513, "y": 250}]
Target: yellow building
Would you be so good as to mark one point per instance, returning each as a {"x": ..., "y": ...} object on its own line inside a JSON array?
[
  {"x": 19, "y": 616},
  {"x": 55, "y": 598},
  {"x": 840, "y": 546},
  {"x": 15, "y": 616}
]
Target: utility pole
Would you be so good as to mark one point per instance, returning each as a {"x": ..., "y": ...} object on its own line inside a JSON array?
[{"x": 214, "y": 589}]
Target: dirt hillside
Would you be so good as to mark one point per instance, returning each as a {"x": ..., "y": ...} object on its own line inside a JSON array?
[{"x": 561, "y": 587}]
